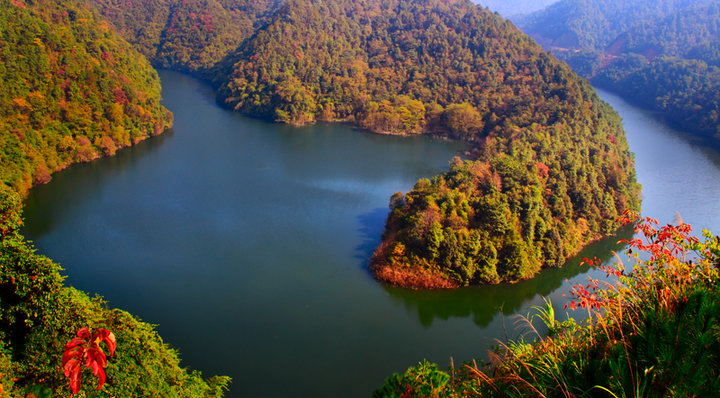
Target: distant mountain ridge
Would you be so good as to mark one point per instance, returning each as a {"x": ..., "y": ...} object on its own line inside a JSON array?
[
  {"x": 593, "y": 24},
  {"x": 662, "y": 55}
]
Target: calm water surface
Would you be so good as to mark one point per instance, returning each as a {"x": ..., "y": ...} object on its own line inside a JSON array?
[{"x": 247, "y": 243}]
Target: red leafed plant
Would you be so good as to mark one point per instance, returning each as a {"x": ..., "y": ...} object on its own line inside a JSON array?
[{"x": 85, "y": 348}]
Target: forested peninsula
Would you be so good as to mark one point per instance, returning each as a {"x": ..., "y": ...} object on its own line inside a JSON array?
[
  {"x": 550, "y": 168},
  {"x": 547, "y": 172},
  {"x": 662, "y": 55}
]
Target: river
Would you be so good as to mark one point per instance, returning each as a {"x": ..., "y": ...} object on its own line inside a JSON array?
[{"x": 247, "y": 244}]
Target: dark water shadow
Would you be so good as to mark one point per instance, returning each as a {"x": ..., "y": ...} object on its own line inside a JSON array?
[
  {"x": 79, "y": 183},
  {"x": 372, "y": 225},
  {"x": 483, "y": 303}
]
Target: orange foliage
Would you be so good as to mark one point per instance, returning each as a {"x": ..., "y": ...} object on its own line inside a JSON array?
[
  {"x": 21, "y": 103},
  {"x": 402, "y": 275},
  {"x": 42, "y": 174},
  {"x": 414, "y": 278},
  {"x": 108, "y": 146},
  {"x": 543, "y": 169}
]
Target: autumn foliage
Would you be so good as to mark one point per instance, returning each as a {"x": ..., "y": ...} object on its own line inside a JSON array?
[
  {"x": 71, "y": 91},
  {"x": 85, "y": 349}
]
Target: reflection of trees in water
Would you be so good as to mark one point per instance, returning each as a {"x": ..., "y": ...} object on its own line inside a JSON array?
[
  {"x": 485, "y": 302},
  {"x": 78, "y": 183},
  {"x": 372, "y": 225}
]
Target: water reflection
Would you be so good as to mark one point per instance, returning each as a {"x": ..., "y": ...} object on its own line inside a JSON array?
[
  {"x": 483, "y": 303},
  {"x": 81, "y": 183},
  {"x": 372, "y": 225}
]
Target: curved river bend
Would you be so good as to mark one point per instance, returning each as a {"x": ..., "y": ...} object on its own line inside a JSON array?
[{"x": 247, "y": 244}]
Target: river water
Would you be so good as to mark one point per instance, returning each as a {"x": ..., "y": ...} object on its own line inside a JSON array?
[{"x": 247, "y": 243}]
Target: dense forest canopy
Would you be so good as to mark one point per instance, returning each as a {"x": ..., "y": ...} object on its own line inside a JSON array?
[
  {"x": 190, "y": 36},
  {"x": 662, "y": 55},
  {"x": 675, "y": 35},
  {"x": 72, "y": 91},
  {"x": 397, "y": 66}
]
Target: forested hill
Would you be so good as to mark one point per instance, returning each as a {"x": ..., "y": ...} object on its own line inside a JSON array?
[
  {"x": 676, "y": 35},
  {"x": 661, "y": 55},
  {"x": 593, "y": 24},
  {"x": 72, "y": 91},
  {"x": 400, "y": 66},
  {"x": 671, "y": 66},
  {"x": 190, "y": 36}
]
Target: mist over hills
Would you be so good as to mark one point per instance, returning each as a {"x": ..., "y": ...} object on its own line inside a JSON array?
[{"x": 511, "y": 9}]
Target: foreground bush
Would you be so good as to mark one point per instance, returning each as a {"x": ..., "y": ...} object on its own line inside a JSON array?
[{"x": 654, "y": 331}]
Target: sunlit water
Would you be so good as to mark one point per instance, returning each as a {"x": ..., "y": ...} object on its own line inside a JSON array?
[{"x": 247, "y": 243}]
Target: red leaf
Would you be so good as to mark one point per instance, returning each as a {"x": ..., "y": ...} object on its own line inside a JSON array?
[
  {"x": 75, "y": 379},
  {"x": 83, "y": 333},
  {"x": 70, "y": 366},
  {"x": 74, "y": 353},
  {"x": 109, "y": 338},
  {"x": 86, "y": 348},
  {"x": 74, "y": 343},
  {"x": 101, "y": 377}
]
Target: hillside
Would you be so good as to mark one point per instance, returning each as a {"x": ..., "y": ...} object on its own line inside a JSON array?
[
  {"x": 551, "y": 165},
  {"x": 189, "y": 36},
  {"x": 663, "y": 57},
  {"x": 72, "y": 91},
  {"x": 671, "y": 66},
  {"x": 593, "y": 24},
  {"x": 399, "y": 67},
  {"x": 675, "y": 35}
]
